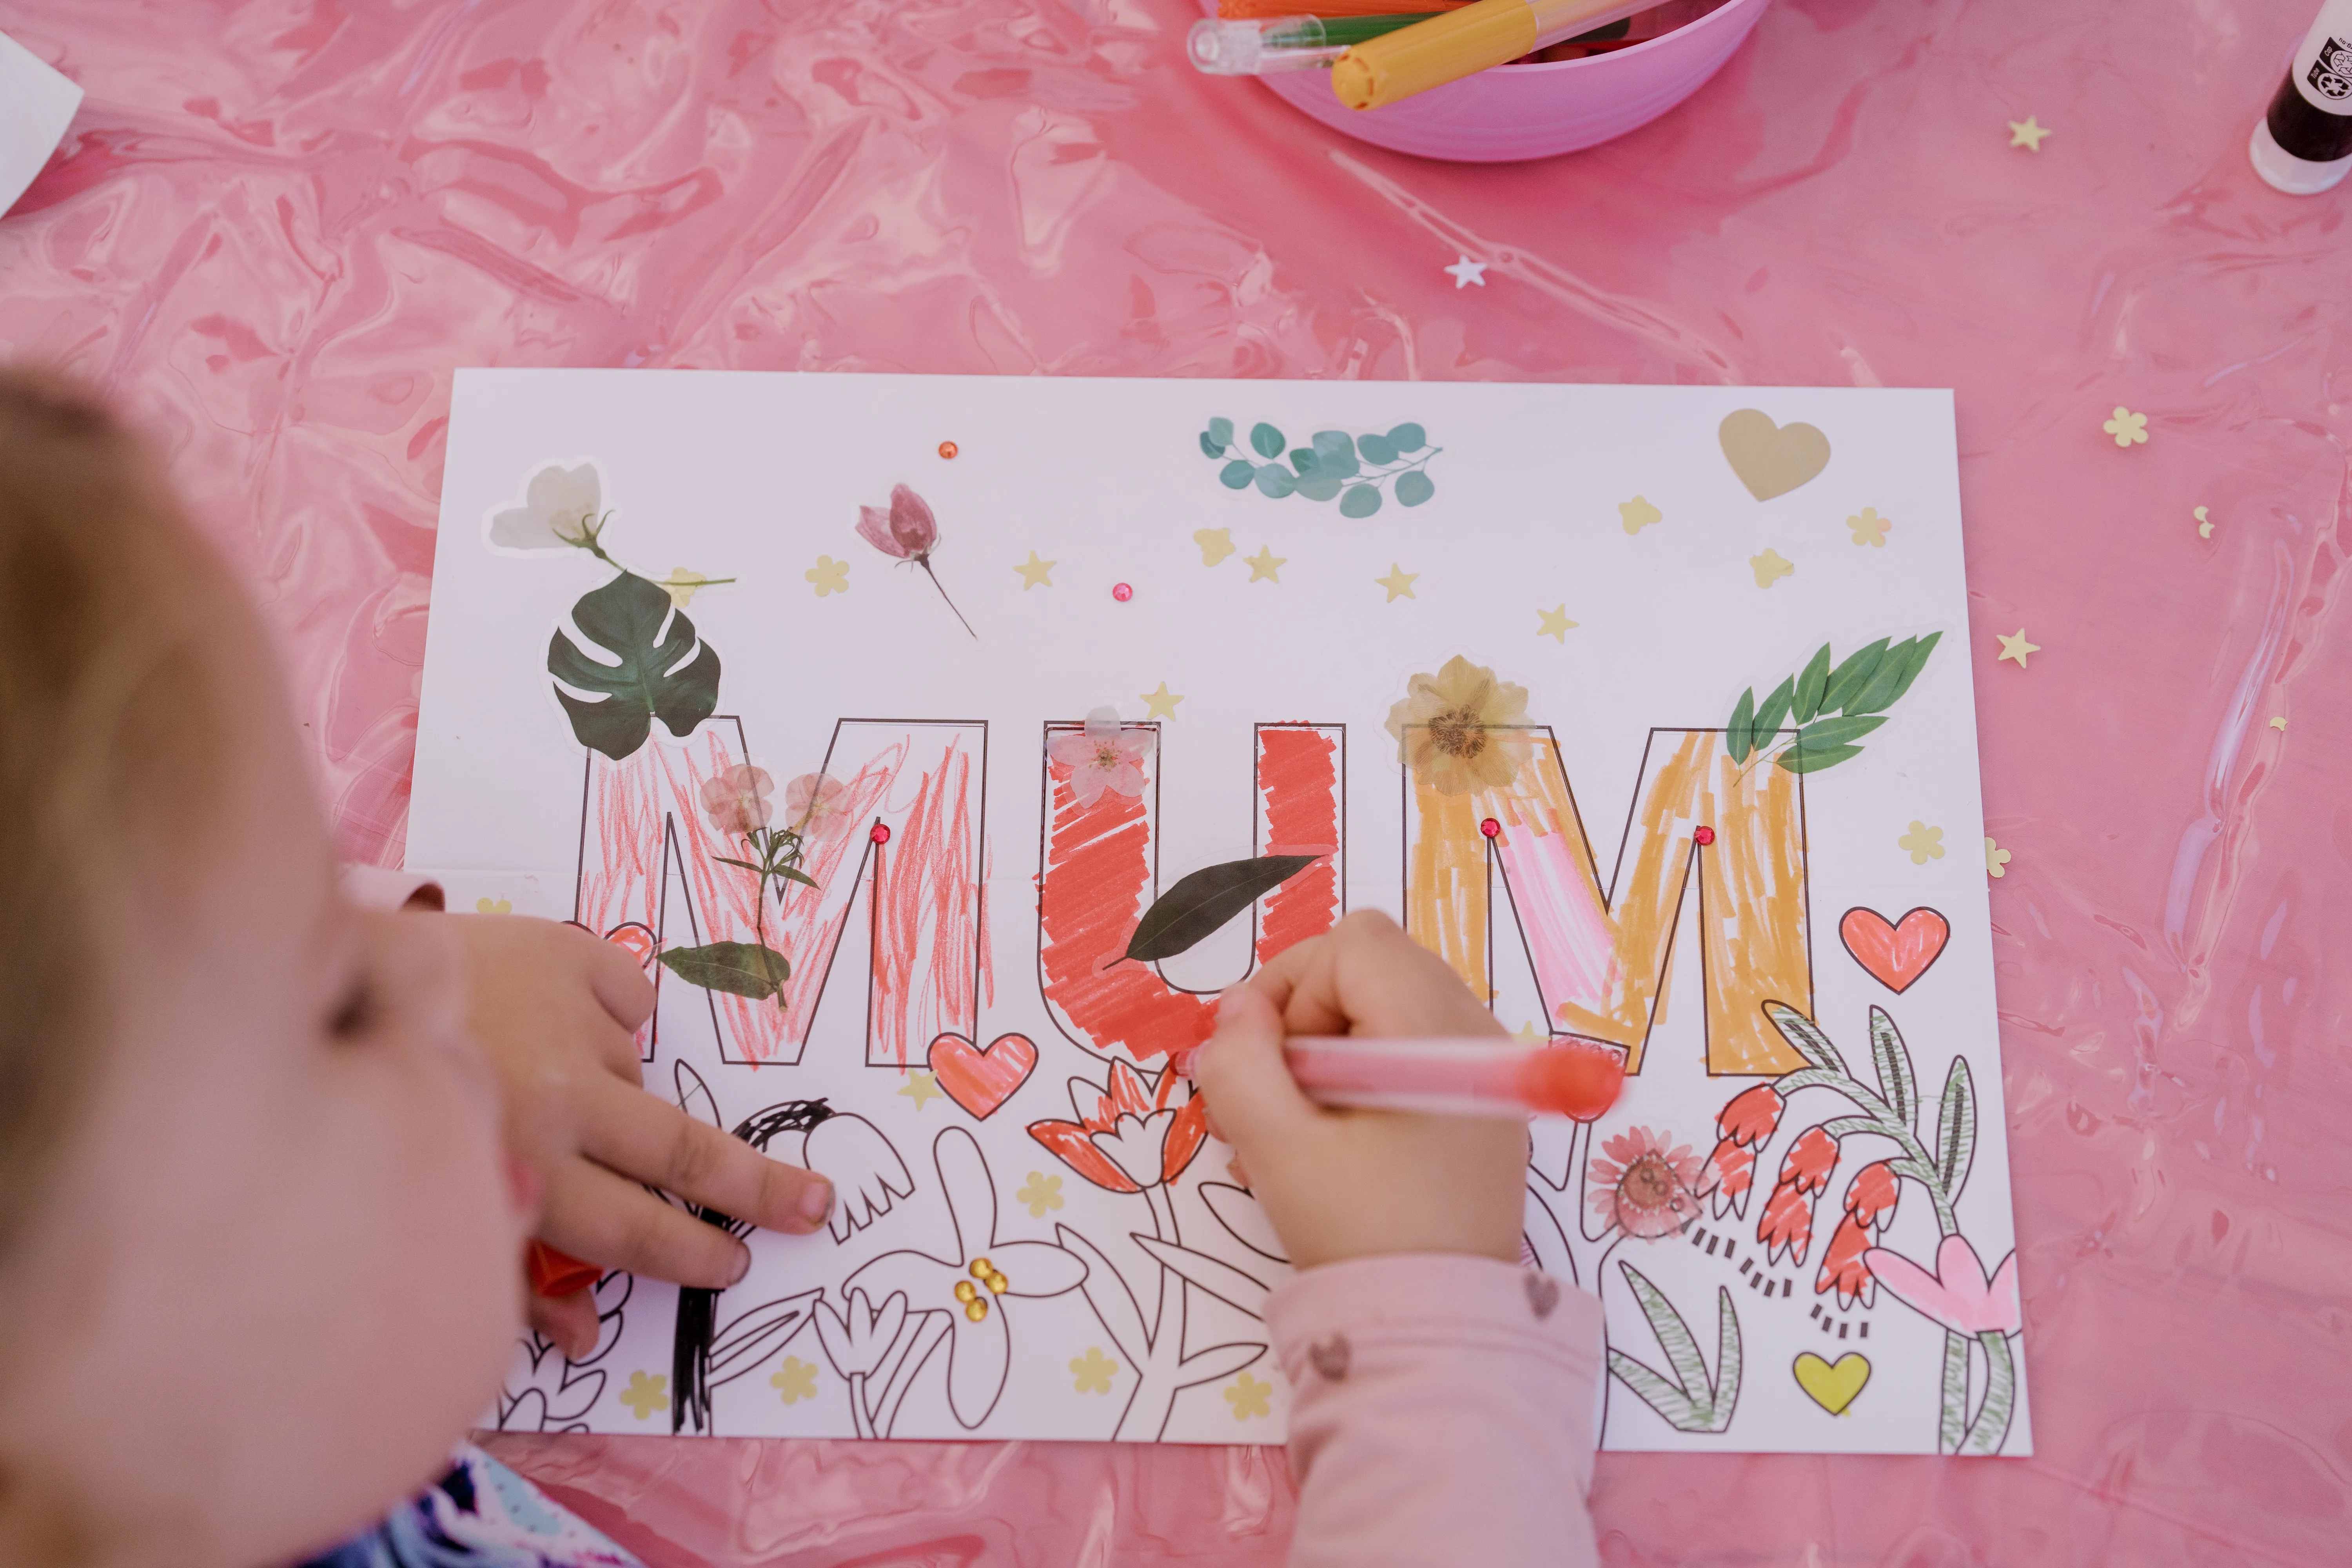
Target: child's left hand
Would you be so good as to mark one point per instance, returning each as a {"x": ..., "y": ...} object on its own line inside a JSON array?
[{"x": 556, "y": 1012}]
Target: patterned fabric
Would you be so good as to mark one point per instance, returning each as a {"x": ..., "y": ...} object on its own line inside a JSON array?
[{"x": 480, "y": 1515}]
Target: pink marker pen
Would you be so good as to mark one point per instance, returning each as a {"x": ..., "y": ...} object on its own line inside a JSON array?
[{"x": 1573, "y": 1076}]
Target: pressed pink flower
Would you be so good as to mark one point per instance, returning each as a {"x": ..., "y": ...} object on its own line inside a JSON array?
[
  {"x": 908, "y": 531},
  {"x": 1788, "y": 1222},
  {"x": 1104, "y": 757},
  {"x": 1643, "y": 1186},
  {"x": 1745, "y": 1124},
  {"x": 1957, "y": 1295},
  {"x": 812, "y": 805},
  {"x": 736, "y": 800}
]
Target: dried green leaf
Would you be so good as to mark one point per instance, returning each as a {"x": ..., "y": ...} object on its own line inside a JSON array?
[
  {"x": 1185, "y": 915},
  {"x": 1775, "y": 709},
  {"x": 737, "y": 968},
  {"x": 1814, "y": 681},
  {"x": 1847, "y": 681}
]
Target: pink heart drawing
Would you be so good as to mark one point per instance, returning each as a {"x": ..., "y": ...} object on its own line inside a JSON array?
[
  {"x": 1895, "y": 953},
  {"x": 982, "y": 1080}
]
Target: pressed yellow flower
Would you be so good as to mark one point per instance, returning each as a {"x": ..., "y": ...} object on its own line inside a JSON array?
[{"x": 1462, "y": 729}]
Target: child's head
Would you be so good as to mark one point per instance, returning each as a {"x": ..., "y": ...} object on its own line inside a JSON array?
[{"x": 257, "y": 1242}]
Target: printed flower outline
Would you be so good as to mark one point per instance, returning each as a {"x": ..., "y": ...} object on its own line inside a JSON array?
[
  {"x": 1643, "y": 1184},
  {"x": 812, "y": 804},
  {"x": 1957, "y": 1295},
  {"x": 736, "y": 799},
  {"x": 1744, "y": 1126},
  {"x": 865, "y": 1171},
  {"x": 858, "y": 1337},
  {"x": 1105, "y": 757},
  {"x": 980, "y": 1340},
  {"x": 1788, "y": 1222},
  {"x": 560, "y": 510},
  {"x": 1132, "y": 1140},
  {"x": 908, "y": 531},
  {"x": 1870, "y": 1200},
  {"x": 1461, "y": 729}
]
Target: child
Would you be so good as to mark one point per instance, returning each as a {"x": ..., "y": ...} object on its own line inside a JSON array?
[{"x": 260, "y": 1219}]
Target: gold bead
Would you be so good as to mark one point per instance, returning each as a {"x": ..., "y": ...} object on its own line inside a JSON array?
[
  {"x": 976, "y": 1310},
  {"x": 965, "y": 1293},
  {"x": 982, "y": 1269},
  {"x": 998, "y": 1284}
]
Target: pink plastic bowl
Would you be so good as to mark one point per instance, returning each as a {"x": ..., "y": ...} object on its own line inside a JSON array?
[{"x": 1512, "y": 112}]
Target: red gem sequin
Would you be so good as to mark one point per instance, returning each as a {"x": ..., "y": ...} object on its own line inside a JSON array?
[
  {"x": 881, "y": 835},
  {"x": 946, "y": 448},
  {"x": 1704, "y": 834},
  {"x": 1491, "y": 828},
  {"x": 1123, "y": 592}
]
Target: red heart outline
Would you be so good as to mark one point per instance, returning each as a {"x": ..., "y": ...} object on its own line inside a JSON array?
[
  {"x": 981, "y": 1081},
  {"x": 1895, "y": 953}
]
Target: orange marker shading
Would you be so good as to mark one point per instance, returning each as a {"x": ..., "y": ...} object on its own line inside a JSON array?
[{"x": 1574, "y": 1076}]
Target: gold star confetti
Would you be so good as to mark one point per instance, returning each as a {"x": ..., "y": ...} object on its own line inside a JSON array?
[
  {"x": 1638, "y": 514},
  {"x": 2027, "y": 133},
  {"x": 1996, "y": 858},
  {"x": 1556, "y": 624},
  {"x": 2016, "y": 647},
  {"x": 1770, "y": 567},
  {"x": 1925, "y": 843},
  {"x": 1869, "y": 528},
  {"x": 1216, "y": 543},
  {"x": 681, "y": 584},
  {"x": 2279, "y": 724},
  {"x": 1263, "y": 564},
  {"x": 2204, "y": 528},
  {"x": 2127, "y": 427},
  {"x": 1399, "y": 583},
  {"x": 795, "y": 1380},
  {"x": 646, "y": 1392},
  {"x": 1249, "y": 1396},
  {"x": 1033, "y": 572},
  {"x": 1093, "y": 1371},
  {"x": 1528, "y": 1035},
  {"x": 830, "y": 577},
  {"x": 1162, "y": 702},
  {"x": 922, "y": 1087}
]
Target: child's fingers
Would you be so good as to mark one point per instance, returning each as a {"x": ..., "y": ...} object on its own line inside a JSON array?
[
  {"x": 567, "y": 1322},
  {"x": 1368, "y": 977},
  {"x": 630, "y": 1131},
  {"x": 592, "y": 1214},
  {"x": 620, "y": 986},
  {"x": 1252, "y": 1097}
]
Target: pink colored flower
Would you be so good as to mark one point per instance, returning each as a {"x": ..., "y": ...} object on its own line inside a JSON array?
[
  {"x": 1131, "y": 1139},
  {"x": 907, "y": 531},
  {"x": 1643, "y": 1185},
  {"x": 813, "y": 806},
  {"x": 736, "y": 800},
  {"x": 1957, "y": 1295},
  {"x": 1745, "y": 1124},
  {"x": 1788, "y": 1222},
  {"x": 1105, "y": 757}
]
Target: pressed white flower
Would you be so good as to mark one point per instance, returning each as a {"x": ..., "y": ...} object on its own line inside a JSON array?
[{"x": 560, "y": 509}]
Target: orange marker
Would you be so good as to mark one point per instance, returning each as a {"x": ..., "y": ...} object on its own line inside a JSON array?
[
  {"x": 1574, "y": 1076},
  {"x": 1463, "y": 43}
]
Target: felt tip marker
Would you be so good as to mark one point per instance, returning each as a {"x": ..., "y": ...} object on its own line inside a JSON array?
[
  {"x": 1461, "y": 43},
  {"x": 1574, "y": 1076},
  {"x": 1259, "y": 47},
  {"x": 2303, "y": 145}
]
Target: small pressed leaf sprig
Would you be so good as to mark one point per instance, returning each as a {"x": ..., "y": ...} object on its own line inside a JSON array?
[
  {"x": 736, "y": 801},
  {"x": 1833, "y": 708}
]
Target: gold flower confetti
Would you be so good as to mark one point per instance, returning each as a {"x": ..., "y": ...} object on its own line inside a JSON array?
[
  {"x": 1638, "y": 514},
  {"x": 795, "y": 1380},
  {"x": 1869, "y": 528},
  {"x": 1249, "y": 1396},
  {"x": 1770, "y": 567},
  {"x": 830, "y": 577},
  {"x": 1041, "y": 1194},
  {"x": 646, "y": 1392},
  {"x": 2126, "y": 428},
  {"x": 1924, "y": 842},
  {"x": 1092, "y": 1372},
  {"x": 1216, "y": 543},
  {"x": 1996, "y": 858}
]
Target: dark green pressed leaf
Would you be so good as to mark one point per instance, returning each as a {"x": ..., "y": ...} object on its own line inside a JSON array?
[
  {"x": 1376, "y": 449},
  {"x": 1220, "y": 431},
  {"x": 729, "y": 860},
  {"x": 1238, "y": 474},
  {"x": 1274, "y": 480},
  {"x": 1822, "y": 733},
  {"x": 1847, "y": 679},
  {"x": 1211, "y": 447},
  {"x": 790, "y": 874},
  {"x": 654, "y": 676},
  {"x": 1320, "y": 487},
  {"x": 737, "y": 968},
  {"x": 1267, "y": 440},
  {"x": 1741, "y": 738},
  {"x": 1361, "y": 500},
  {"x": 1184, "y": 916},
  {"x": 1407, "y": 437},
  {"x": 1912, "y": 666},
  {"x": 1804, "y": 760},
  {"x": 1810, "y": 686},
  {"x": 1414, "y": 487},
  {"x": 1775, "y": 709}
]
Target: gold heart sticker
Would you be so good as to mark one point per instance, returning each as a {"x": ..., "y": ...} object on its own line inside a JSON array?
[
  {"x": 1833, "y": 1387},
  {"x": 1771, "y": 459}
]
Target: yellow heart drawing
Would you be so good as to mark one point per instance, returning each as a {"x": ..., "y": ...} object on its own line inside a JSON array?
[
  {"x": 1771, "y": 459},
  {"x": 1833, "y": 1387}
]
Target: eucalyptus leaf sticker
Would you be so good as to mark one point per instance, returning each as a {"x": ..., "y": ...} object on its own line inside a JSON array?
[
  {"x": 1360, "y": 472},
  {"x": 658, "y": 669},
  {"x": 1187, "y": 913}
]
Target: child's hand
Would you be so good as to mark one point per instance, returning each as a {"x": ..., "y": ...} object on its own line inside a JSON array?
[
  {"x": 556, "y": 1011},
  {"x": 1350, "y": 1183}
]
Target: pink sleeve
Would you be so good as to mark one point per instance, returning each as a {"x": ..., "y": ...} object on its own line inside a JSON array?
[
  {"x": 1442, "y": 1410},
  {"x": 379, "y": 888}
]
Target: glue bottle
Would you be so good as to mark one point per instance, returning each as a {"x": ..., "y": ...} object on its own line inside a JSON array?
[{"x": 2303, "y": 145}]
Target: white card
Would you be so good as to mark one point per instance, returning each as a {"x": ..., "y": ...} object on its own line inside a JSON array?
[{"x": 36, "y": 104}]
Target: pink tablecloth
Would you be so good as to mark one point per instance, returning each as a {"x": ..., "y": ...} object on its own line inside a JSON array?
[{"x": 277, "y": 225}]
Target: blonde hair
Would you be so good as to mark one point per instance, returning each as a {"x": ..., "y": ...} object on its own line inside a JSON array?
[{"x": 109, "y": 720}]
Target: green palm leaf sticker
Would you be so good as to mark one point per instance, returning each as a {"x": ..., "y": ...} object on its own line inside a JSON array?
[
  {"x": 1184, "y": 916},
  {"x": 659, "y": 668}
]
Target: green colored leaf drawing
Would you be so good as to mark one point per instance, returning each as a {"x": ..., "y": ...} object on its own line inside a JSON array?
[
  {"x": 1806, "y": 1037},
  {"x": 1376, "y": 449},
  {"x": 1810, "y": 686},
  {"x": 1238, "y": 474},
  {"x": 1956, "y": 1129},
  {"x": 1892, "y": 1060},
  {"x": 1414, "y": 487},
  {"x": 1408, "y": 438},
  {"x": 1361, "y": 500},
  {"x": 738, "y": 968},
  {"x": 1184, "y": 916},
  {"x": 1220, "y": 431},
  {"x": 1267, "y": 440},
  {"x": 1274, "y": 480},
  {"x": 1740, "y": 738},
  {"x": 1692, "y": 1401},
  {"x": 671, "y": 679}
]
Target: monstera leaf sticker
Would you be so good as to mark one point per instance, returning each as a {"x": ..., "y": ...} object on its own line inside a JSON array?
[{"x": 658, "y": 669}]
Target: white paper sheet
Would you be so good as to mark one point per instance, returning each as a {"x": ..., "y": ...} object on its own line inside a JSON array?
[
  {"x": 36, "y": 104},
  {"x": 957, "y": 975}
]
